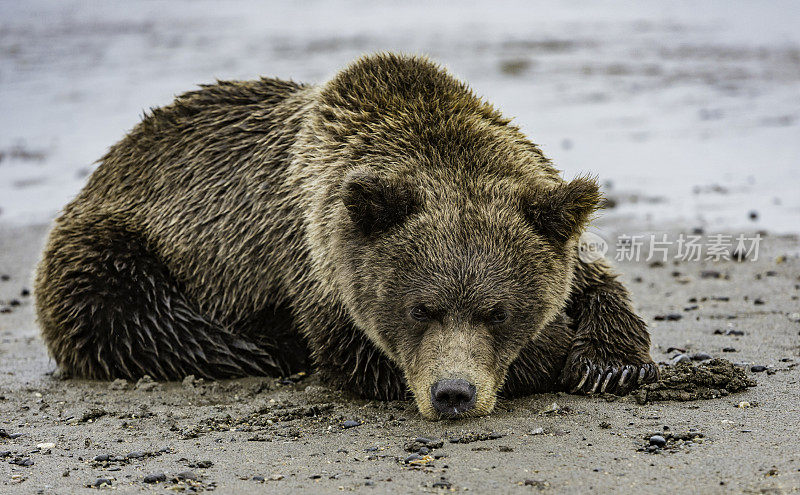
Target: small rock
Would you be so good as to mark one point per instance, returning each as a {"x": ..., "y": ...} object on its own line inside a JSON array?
[
  {"x": 260, "y": 479},
  {"x": 135, "y": 455},
  {"x": 351, "y": 423},
  {"x": 46, "y": 446},
  {"x": 155, "y": 478},
  {"x": 701, "y": 356},
  {"x": 658, "y": 441},
  {"x": 25, "y": 293},
  {"x": 102, "y": 458},
  {"x": 537, "y": 431},
  {"x": 100, "y": 482},
  {"x": 276, "y": 477},
  {"x": 505, "y": 448},
  {"x": 680, "y": 358},
  {"x": 728, "y": 349},
  {"x": 758, "y": 368},
  {"x": 795, "y": 317},
  {"x": 412, "y": 457},
  {"x": 759, "y": 302},
  {"x": 743, "y": 405},
  {"x": 186, "y": 475},
  {"x": 668, "y": 317}
]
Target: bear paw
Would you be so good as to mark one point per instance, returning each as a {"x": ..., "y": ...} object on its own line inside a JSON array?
[{"x": 587, "y": 372}]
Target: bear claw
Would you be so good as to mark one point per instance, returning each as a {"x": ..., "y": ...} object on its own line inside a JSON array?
[{"x": 616, "y": 379}]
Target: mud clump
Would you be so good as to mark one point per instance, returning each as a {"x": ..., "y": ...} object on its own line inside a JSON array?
[{"x": 685, "y": 382}]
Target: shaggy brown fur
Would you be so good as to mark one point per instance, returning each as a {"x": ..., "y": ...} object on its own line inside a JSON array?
[{"x": 388, "y": 224}]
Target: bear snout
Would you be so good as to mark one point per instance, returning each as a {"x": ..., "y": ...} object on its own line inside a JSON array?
[{"x": 453, "y": 397}]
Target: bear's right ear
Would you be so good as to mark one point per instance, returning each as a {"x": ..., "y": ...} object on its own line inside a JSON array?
[
  {"x": 564, "y": 210},
  {"x": 375, "y": 204}
]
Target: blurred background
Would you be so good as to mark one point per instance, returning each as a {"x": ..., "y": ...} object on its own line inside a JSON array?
[{"x": 689, "y": 112}]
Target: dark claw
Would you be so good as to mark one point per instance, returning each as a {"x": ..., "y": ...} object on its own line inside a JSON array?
[
  {"x": 597, "y": 382},
  {"x": 626, "y": 372},
  {"x": 609, "y": 379},
  {"x": 642, "y": 373},
  {"x": 587, "y": 371}
]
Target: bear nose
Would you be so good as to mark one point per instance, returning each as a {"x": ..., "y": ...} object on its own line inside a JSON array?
[{"x": 453, "y": 397}]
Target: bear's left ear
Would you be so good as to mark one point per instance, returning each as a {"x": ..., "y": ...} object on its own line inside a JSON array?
[
  {"x": 563, "y": 211},
  {"x": 375, "y": 203}
]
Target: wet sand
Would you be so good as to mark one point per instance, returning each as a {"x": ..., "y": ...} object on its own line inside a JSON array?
[{"x": 288, "y": 435}]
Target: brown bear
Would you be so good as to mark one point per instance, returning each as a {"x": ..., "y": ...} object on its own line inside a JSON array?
[{"x": 389, "y": 228}]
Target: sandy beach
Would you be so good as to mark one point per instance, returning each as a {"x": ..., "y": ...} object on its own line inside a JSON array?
[{"x": 289, "y": 435}]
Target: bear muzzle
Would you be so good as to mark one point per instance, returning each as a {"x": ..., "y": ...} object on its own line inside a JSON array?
[{"x": 451, "y": 398}]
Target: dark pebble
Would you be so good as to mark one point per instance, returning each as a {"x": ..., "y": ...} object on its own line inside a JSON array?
[
  {"x": 753, "y": 215},
  {"x": 155, "y": 478},
  {"x": 658, "y": 440},
  {"x": 757, "y": 302},
  {"x": 505, "y": 448},
  {"x": 424, "y": 451},
  {"x": 668, "y": 317},
  {"x": 5, "y": 278},
  {"x": 442, "y": 483},
  {"x": 494, "y": 435},
  {"x": 701, "y": 356},
  {"x": 135, "y": 455},
  {"x": 351, "y": 423},
  {"x": 315, "y": 476},
  {"x": 728, "y": 349},
  {"x": 201, "y": 464},
  {"x": 100, "y": 482},
  {"x": 25, "y": 293},
  {"x": 15, "y": 302},
  {"x": 758, "y": 368},
  {"x": 710, "y": 274},
  {"x": 258, "y": 478},
  {"x": 102, "y": 458},
  {"x": 369, "y": 483},
  {"x": 681, "y": 358},
  {"x": 186, "y": 475},
  {"x": 412, "y": 457}
]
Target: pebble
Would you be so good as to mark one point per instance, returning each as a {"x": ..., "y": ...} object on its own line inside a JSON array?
[
  {"x": 758, "y": 368},
  {"x": 668, "y": 317},
  {"x": 25, "y": 293},
  {"x": 658, "y": 441},
  {"x": 412, "y": 457},
  {"x": 260, "y": 479},
  {"x": 351, "y": 423},
  {"x": 681, "y": 358},
  {"x": 135, "y": 455},
  {"x": 102, "y": 458},
  {"x": 46, "y": 446},
  {"x": 728, "y": 349},
  {"x": 100, "y": 482},
  {"x": 795, "y": 317},
  {"x": 155, "y": 478},
  {"x": 701, "y": 356},
  {"x": 186, "y": 475},
  {"x": 537, "y": 431}
]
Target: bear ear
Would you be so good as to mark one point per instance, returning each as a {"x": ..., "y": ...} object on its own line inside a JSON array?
[
  {"x": 374, "y": 203},
  {"x": 563, "y": 211}
]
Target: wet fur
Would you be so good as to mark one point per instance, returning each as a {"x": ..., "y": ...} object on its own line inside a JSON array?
[{"x": 217, "y": 238}]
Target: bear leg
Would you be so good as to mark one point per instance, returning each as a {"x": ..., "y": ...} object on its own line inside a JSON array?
[
  {"x": 109, "y": 308},
  {"x": 611, "y": 350}
]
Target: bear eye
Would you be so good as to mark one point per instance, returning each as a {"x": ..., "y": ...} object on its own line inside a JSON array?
[
  {"x": 420, "y": 313},
  {"x": 498, "y": 316}
]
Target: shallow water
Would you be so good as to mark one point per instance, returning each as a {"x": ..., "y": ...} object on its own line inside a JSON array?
[{"x": 688, "y": 113}]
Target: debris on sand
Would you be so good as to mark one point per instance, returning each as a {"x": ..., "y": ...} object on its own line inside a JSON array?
[
  {"x": 475, "y": 437},
  {"x": 671, "y": 442},
  {"x": 686, "y": 381}
]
